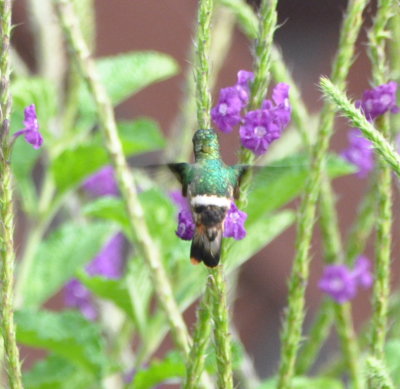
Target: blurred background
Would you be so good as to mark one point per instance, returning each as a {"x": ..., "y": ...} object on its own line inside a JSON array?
[{"x": 307, "y": 36}]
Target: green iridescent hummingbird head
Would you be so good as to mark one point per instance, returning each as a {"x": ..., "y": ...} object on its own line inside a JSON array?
[{"x": 205, "y": 144}]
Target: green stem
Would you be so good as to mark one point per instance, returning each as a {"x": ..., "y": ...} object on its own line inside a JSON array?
[
  {"x": 222, "y": 336},
  {"x": 363, "y": 225},
  {"x": 318, "y": 333},
  {"x": 377, "y": 374},
  {"x": 7, "y": 254},
  {"x": 291, "y": 333},
  {"x": 47, "y": 208},
  {"x": 203, "y": 97},
  {"x": 349, "y": 346},
  {"x": 138, "y": 227},
  {"x": 262, "y": 64},
  {"x": 215, "y": 293},
  {"x": 201, "y": 339},
  {"x": 183, "y": 126},
  {"x": 377, "y": 46},
  {"x": 263, "y": 52}
]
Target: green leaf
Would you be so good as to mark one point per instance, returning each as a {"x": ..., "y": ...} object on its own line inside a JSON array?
[
  {"x": 259, "y": 234},
  {"x": 67, "y": 334},
  {"x": 275, "y": 185},
  {"x": 60, "y": 256},
  {"x": 306, "y": 383},
  {"x": 171, "y": 366},
  {"x": 392, "y": 356},
  {"x": 55, "y": 372},
  {"x": 125, "y": 74},
  {"x": 245, "y": 15},
  {"x": 109, "y": 289},
  {"x": 137, "y": 136}
]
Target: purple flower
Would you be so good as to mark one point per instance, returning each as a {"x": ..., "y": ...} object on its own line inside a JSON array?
[
  {"x": 76, "y": 295},
  {"x": 102, "y": 183},
  {"x": 226, "y": 114},
  {"x": 109, "y": 262},
  {"x": 379, "y": 100},
  {"x": 186, "y": 225},
  {"x": 341, "y": 283},
  {"x": 258, "y": 131},
  {"x": 362, "y": 273},
  {"x": 31, "y": 127},
  {"x": 234, "y": 223},
  {"x": 360, "y": 153},
  {"x": 244, "y": 78},
  {"x": 262, "y": 126}
]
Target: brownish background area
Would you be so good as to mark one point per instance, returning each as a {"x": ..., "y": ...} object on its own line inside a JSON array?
[{"x": 307, "y": 36}]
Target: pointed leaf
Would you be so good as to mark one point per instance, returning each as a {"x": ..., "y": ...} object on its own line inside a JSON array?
[
  {"x": 125, "y": 74},
  {"x": 60, "y": 256},
  {"x": 67, "y": 334},
  {"x": 55, "y": 372},
  {"x": 306, "y": 383},
  {"x": 277, "y": 184},
  {"x": 171, "y": 366},
  {"x": 137, "y": 136}
]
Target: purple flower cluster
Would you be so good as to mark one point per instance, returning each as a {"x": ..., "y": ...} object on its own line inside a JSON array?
[
  {"x": 102, "y": 183},
  {"x": 259, "y": 127},
  {"x": 31, "y": 127},
  {"x": 233, "y": 226},
  {"x": 374, "y": 103},
  {"x": 341, "y": 283}
]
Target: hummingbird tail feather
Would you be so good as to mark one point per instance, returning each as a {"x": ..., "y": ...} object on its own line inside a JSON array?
[{"x": 206, "y": 246}]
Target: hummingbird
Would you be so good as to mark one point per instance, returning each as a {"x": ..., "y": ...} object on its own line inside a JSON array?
[{"x": 210, "y": 186}]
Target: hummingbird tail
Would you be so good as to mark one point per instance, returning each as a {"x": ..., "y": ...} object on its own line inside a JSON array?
[{"x": 206, "y": 245}]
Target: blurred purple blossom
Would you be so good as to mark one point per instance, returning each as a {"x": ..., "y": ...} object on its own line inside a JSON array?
[
  {"x": 76, "y": 295},
  {"x": 262, "y": 126},
  {"x": 186, "y": 225},
  {"x": 379, "y": 100},
  {"x": 341, "y": 283},
  {"x": 102, "y": 183},
  {"x": 31, "y": 129},
  {"x": 359, "y": 152},
  {"x": 234, "y": 223},
  {"x": 108, "y": 263},
  {"x": 362, "y": 272}
]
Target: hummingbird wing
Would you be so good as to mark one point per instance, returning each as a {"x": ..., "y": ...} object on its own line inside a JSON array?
[{"x": 180, "y": 171}]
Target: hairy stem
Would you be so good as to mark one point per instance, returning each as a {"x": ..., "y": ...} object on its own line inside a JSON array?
[
  {"x": 7, "y": 254},
  {"x": 138, "y": 226},
  {"x": 377, "y": 46},
  {"x": 291, "y": 334}
]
